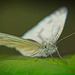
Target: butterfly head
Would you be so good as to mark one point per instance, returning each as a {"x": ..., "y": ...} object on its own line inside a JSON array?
[{"x": 49, "y": 46}]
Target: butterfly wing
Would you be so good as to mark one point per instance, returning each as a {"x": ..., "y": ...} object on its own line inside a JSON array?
[
  {"x": 25, "y": 47},
  {"x": 50, "y": 28}
]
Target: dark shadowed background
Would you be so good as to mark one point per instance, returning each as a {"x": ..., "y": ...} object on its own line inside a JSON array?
[{"x": 16, "y": 17}]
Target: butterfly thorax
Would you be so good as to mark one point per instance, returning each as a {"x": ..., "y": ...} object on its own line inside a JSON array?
[{"x": 49, "y": 47}]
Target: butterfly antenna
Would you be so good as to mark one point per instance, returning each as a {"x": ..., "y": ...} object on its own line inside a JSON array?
[{"x": 66, "y": 37}]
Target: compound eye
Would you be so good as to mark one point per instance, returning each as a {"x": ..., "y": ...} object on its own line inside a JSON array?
[{"x": 45, "y": 46}]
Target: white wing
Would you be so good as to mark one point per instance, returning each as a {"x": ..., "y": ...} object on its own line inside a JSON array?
[
  {"x": 25, "y": 47},
  {"x": 50, "y": 28}
]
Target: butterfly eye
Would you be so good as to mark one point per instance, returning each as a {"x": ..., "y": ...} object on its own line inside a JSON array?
[{"x": 45, "y": 46}]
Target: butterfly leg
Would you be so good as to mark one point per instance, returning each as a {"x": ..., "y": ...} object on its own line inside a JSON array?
[
  {"x": 36, "y": 59},
  {"x": 59, "y": 54},
  {"x": 52, "y": 57}
]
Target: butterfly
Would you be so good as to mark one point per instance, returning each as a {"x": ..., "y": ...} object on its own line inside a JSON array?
[{"x": 39, "y": 41}]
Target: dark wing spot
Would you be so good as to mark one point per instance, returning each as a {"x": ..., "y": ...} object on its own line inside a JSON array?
[{"x": 32, "y": 40}]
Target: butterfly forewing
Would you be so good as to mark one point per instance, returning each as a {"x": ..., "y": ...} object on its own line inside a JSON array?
[{"x": 50, "y": 28}]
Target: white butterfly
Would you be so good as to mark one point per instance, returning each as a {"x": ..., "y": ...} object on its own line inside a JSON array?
[{"x": 41, "y": 39}]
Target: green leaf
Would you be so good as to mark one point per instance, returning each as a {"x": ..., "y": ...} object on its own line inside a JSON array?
[{"x": 19, "y": 65}]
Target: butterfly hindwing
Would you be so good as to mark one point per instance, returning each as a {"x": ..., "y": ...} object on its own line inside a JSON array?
[{"x": 25, "y": 47}]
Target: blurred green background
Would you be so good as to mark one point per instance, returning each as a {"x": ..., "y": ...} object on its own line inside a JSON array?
[{"x": 18, "y": 16}]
